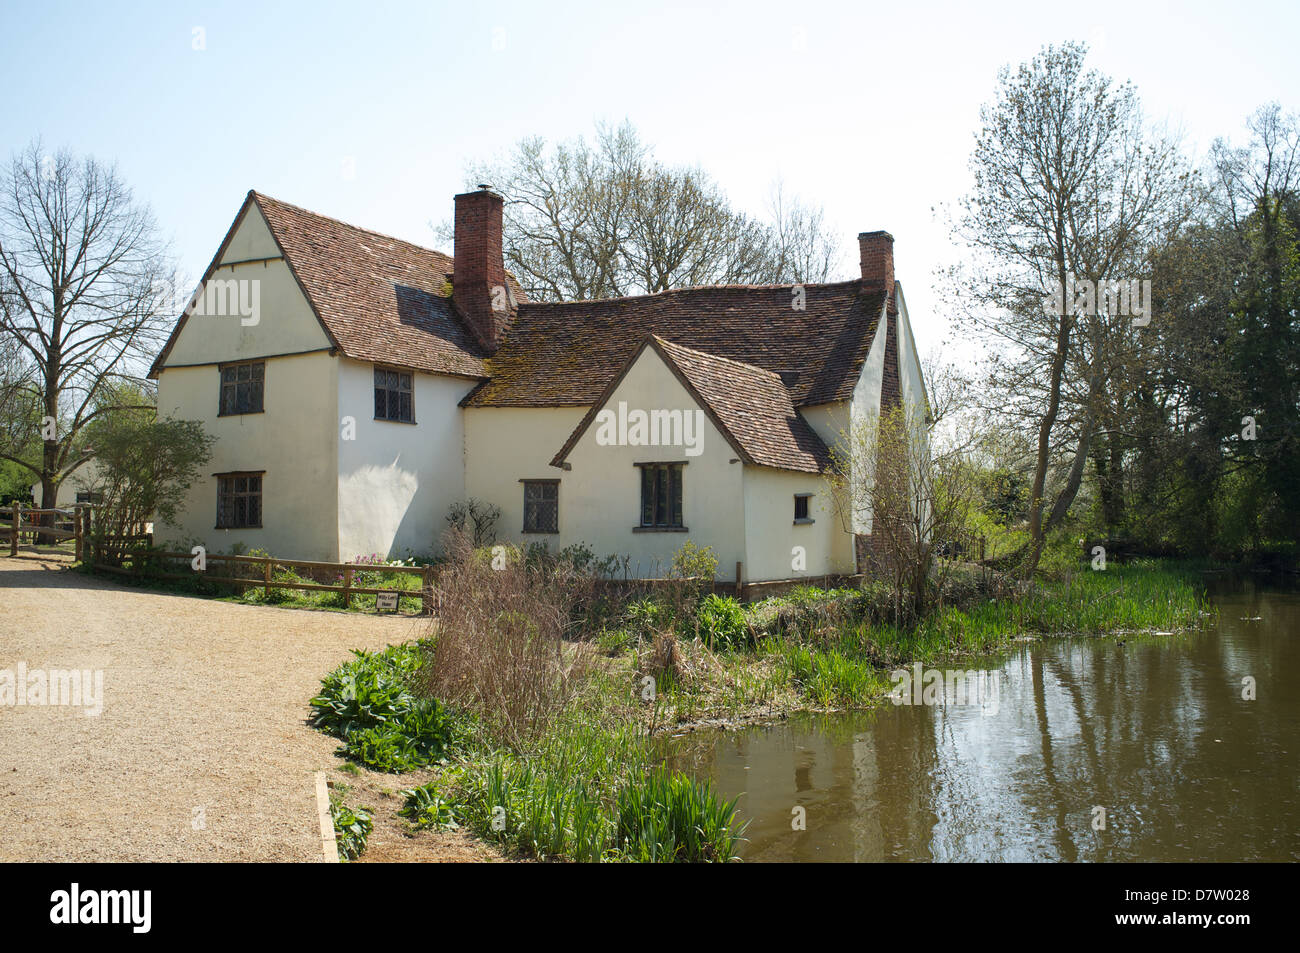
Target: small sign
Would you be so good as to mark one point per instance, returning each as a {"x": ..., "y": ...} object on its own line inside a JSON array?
[{"x": 386, "y": 600}]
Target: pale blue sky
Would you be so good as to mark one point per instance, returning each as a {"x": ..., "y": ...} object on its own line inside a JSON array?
[{"x": 868, "y": 109}]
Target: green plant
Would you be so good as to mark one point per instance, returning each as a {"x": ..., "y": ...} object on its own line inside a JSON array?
[
  {"x": 647, "y": 615},
  {"x": 352, "y": 827},
  {"x": 721, "y": 622},
  {"x": 670, "y": 817},
  {"x": 429, "y": 806},
  {"x": 368, "y": 703},
  {"x": 695, "y": 562}
]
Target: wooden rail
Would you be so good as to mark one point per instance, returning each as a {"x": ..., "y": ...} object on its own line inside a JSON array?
[{"x": 265, "y": 579}]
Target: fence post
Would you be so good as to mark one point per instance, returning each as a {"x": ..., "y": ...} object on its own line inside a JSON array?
[
  {"x": 266, "y": 577},
  {"x": 426, "y": 590},
  {"x": 13, "y": 540},
  {"x": 740, "y": 585},
  {"x": 76, "y": 533},
  {"x": 347, "y": 587}
]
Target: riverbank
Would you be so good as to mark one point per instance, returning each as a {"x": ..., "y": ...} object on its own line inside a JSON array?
[{"x": 582, "y": 777}]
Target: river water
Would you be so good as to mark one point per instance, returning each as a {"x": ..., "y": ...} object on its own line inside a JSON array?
[{"x": 1070, "y": 750}]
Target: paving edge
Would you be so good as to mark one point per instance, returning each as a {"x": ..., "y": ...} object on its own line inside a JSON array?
[{"x": 329, "y": 845}]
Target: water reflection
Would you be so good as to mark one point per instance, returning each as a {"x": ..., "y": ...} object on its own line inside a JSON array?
[{"x": 1156, "y": 733}]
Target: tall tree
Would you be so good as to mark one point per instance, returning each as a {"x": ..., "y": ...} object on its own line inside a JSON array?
[
  {"x": 83, "y": 275},
  {"x": 1070, "y": 186},
  {"x": 605, "y": 219}
]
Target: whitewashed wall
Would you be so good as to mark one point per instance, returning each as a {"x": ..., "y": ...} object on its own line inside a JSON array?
[
  {"x": 396, "y": 480},
  {"x": 294, "y": 441}
]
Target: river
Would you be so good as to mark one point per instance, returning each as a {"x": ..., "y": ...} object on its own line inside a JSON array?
[{"x": 1141, "y": 749}]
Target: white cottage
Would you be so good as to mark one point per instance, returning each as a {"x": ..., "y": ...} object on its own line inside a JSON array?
[{"x": 359, "y": 385}]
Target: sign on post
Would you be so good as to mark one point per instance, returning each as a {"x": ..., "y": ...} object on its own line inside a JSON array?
[{"x": 386, "y": 601}]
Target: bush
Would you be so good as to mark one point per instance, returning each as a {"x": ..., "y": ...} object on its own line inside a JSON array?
[
  {"x": 368, "y": 703},
  {"x": 500, "y": 653},
  {"x": 721, "y": 622}
]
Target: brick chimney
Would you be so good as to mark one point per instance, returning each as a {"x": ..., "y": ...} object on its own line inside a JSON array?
[
  {"x": 877, "y": 250},
  {"x": 478, "y": 278}
]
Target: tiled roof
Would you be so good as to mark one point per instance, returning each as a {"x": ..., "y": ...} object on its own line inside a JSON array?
[
  {"x": 565, "y": 354},
  {"x": 378, "y": 298},
  {"x": 750, "y": 406}
]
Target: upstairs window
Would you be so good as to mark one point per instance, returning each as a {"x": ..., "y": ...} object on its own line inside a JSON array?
[
  {"x": 90, "y": 496},
  {"x": 541, "y": 506},
  {"x": 239, "y": 500},
  {"x": 241, "y": 388},
  {"x": 394, "y": 398},
  {"x": 661, "y": 495}
]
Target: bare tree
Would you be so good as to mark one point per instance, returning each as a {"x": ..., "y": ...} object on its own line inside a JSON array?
[
  {"x": 82, "y": 279},
  {"x": 910, "y": 480},
  {"x": 1070, "y": 186},
  {"x": 604, "y": 219}
]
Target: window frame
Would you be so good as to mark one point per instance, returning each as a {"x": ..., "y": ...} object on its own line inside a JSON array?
[
  {"x": 554, "y": 502},
  {"x": 245, "y": 494},
  {"x": 670, "y": 494},
  {"x": 803, "y": 498},
  {"x": 222, "y": 384},
  {"x": 398, "y": 390}
]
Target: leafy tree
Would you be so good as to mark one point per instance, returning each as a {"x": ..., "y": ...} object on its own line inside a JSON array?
[
  {"x": 1070, "y": 184},
  {"x": 145, "y": 468}
]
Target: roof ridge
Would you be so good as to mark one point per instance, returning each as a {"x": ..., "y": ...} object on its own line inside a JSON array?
[
  {"x": 718, "y": 357},
  {"x": 673, "y": 291},
  {"x": 356, "y": 228}
]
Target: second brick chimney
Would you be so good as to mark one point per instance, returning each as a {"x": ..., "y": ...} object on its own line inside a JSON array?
[
  {"x": 478, "y": 280},
  {"x": 877, "y": 249}
]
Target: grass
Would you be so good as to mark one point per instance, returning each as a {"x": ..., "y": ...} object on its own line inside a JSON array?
[
  {"x": 830, "y": 649},
  {"x": 584, "y": 783}
]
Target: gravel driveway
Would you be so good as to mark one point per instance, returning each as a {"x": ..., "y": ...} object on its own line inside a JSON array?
[{"x": 201, "y": 751}]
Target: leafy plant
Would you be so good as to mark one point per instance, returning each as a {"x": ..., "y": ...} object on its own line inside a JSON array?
[
  {"x": 368, "y": 703},
  {"x": 428, "y": 806},
  {"x": 352, "y": 827},
  {"x": 721, "y": 622}
]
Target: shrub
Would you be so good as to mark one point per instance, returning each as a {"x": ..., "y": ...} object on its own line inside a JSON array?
[
  {"x": 721, "y": 622},
  {"x": 368, "y": 703},
  {"x": 500, "y": 653}
]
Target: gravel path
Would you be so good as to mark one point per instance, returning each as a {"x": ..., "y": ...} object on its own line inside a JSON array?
[{"x": 201, "y": 752}]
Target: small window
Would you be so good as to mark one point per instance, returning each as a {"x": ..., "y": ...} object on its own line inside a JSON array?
[
  {"x": 541, "y": 506},
  {"x": 241, "y": 388},
  {"x": 90, "y": 496},
  {"x": 801, "y": 507},
  {"x": 394, "y": 399},
  {"x": 239, "y": 500},
  {"x": 661, "y": 495}
]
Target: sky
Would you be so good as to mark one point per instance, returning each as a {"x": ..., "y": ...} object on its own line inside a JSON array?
[{"x": 371, "y": 112}]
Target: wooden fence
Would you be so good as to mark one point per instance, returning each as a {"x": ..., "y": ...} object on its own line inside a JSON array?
[
  {"x": 63, "y": 523},
  {"x": 109, "y": 559}
]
